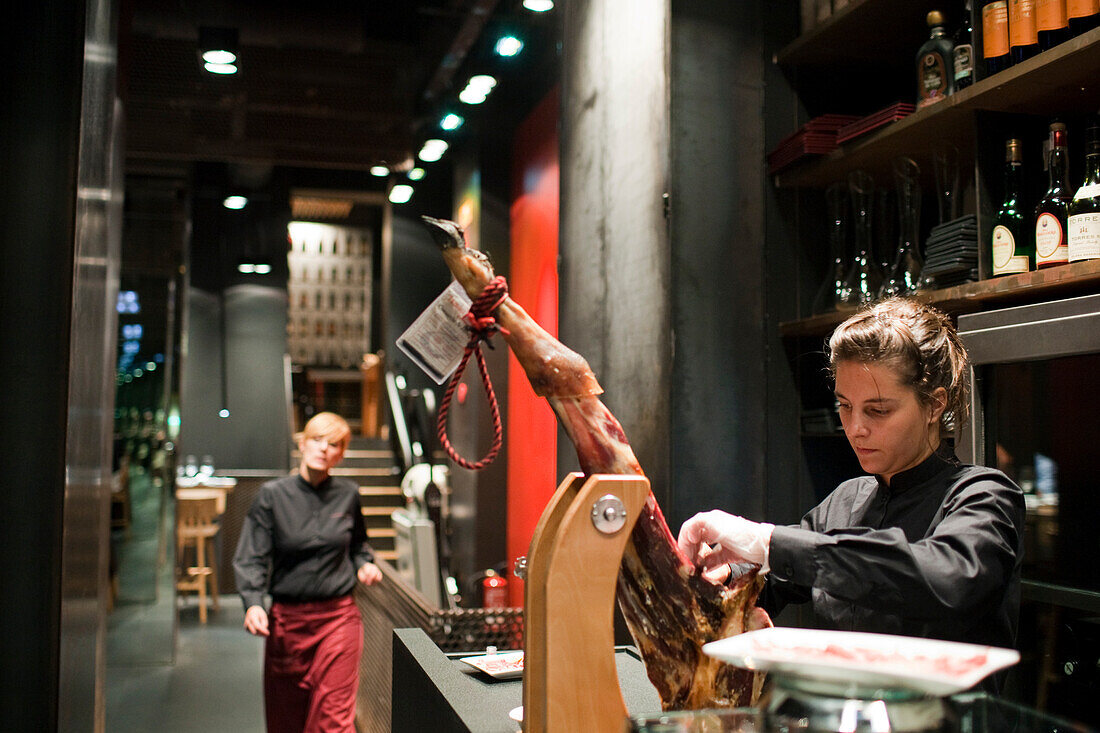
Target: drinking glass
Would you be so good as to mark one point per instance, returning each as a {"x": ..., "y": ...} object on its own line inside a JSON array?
[
  {"x": 945, "y": 164},
  {"x": 864, "y": 278},
  {"x": 905, "y": 273},
  {"x": 836, "y": 205}
]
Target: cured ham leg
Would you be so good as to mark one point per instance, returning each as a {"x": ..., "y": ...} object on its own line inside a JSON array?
[{"x": 670, "y": 609}]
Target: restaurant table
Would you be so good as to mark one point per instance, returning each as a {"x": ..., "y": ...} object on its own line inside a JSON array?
[{"x": 435, "y": 691}]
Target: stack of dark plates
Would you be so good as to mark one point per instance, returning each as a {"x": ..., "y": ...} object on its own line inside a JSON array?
[
  {"x": 816, "y": 137},
  {"x": 951, "y": 253},
  {"x": 863, "y": 125}
]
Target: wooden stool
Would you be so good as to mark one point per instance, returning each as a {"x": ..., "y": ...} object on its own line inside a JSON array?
[{"x": 197, "y": 526}]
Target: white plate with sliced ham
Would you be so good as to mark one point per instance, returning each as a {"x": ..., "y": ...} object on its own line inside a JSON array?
[
  {"x": 501, "y": 665},
  {"x": 849, "y": 658}
]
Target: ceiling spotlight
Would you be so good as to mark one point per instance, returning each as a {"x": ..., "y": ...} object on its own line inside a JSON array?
[
  {"x": 219, "y": 56},
  {"x": 223, "y": 69},
  {"x": 235, "y": 202},
  {"x": 401, "y": 193},
  {"x": 508, "y": 46},
  {"x": 451, "y": 121},
  {"x": 379, "y": 170},
  {"x": 415, "y": 174},
  {"x": 474, "y": 96},
  {"x": 538, "y": 6},
  {"x": 477, "y": 89},
  {"x": 218, "y": 49},
  {"x": 432, "y": 150}
]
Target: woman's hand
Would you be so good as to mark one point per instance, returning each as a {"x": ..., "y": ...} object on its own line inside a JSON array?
[
  {"x": 369, "y": 574},
  {"x": 735, "y": 539},
  {"x": 255, "y": 621}
]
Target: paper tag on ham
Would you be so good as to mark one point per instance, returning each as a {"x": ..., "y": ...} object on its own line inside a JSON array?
[{"x": 437, "y": 338}]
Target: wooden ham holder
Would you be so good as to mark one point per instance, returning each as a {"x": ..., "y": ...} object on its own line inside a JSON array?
[{"x": 570, "y": 680}]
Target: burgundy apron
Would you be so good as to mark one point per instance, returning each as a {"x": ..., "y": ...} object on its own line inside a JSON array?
[{"x": 311, "y": 666}]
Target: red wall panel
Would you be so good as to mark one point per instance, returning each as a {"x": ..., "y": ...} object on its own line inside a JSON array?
[{"x": 533, "y": 283}]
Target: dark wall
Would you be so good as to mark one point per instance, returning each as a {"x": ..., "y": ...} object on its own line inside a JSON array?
[{"x": 238, "y": 364}]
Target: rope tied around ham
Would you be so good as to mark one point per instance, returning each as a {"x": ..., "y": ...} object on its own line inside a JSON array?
[{"x": 482, "y": 326}]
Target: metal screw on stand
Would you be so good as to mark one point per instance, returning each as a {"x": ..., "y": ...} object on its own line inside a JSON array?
[{"x": 609, "y": 514}]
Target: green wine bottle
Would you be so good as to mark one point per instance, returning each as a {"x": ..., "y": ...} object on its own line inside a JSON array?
[{"x": 1013, "y": 250}]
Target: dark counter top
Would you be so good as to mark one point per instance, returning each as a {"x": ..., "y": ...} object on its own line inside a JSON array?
[{"x": 435, "y": 691}]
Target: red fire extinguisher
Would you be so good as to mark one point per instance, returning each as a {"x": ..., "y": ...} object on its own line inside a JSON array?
[{"x": 494, "y": 590}]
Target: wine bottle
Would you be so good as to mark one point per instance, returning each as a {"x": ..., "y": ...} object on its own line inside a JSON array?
[
  {"x": 1052, "y": 23},
  {"x": 935, "y": 68},
  {"x": 1051, "y": 243},
  {"x": 1012, "y": 251},
  {"x": 963, "y": 54},
  {"x": 995, "y": 49},
  {"x": 1084, "y": 210},
  {"x": 1023, "y": 34},
  {"x": 1083, "y": 15}
]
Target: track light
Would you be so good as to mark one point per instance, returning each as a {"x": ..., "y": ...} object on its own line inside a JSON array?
[{"x": 218, "y": 49}]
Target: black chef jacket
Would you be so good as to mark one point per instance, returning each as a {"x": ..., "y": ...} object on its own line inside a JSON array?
[
  {"x": 300, "y": 542},
  {"x": 936, "y": 555}
]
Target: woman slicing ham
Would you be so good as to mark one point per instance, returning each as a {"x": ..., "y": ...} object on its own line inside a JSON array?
[{"x": 925, "y": 546}]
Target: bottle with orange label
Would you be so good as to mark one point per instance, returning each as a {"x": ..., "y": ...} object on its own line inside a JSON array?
[
  {"x": 1023, "y": 34},
  {"x": 995, "y": 49},
  {"x": 1083, "y": 15},
  {"x": 1052, "y": 23}
]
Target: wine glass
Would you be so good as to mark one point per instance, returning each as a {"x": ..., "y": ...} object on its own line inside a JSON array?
[
  {"x": 904, "y": 276},
  {"x": 945, "y": 164},
  {"x": 206, "y": 468},
  {"x": 836, "y": 203},
  {"x": 864, "y": 278}
]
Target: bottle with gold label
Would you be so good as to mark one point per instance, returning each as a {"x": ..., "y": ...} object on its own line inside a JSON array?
[
  {"x": 1084, "y": 211},
  {"x": 1013, "y": 252},
  {"x": 1051, "y": 243},
  {"x": 935, "y": 64}
]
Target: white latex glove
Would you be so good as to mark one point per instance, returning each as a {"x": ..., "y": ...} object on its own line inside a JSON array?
[{"x": 735, "y": 540}]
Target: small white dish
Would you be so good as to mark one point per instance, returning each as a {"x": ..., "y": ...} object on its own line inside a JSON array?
[{"x": 502, "y": 665}]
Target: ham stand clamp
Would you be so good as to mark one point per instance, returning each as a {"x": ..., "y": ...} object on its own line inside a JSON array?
[{"x": 570, "y": 680}]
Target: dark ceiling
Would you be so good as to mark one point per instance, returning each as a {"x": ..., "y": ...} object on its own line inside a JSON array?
[
  {"x": 326, "y": 89},
  {"x": 342, "y": 84}
]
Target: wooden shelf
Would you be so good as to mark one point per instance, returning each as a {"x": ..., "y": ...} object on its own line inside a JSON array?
[
  {"x": 1060, "y": 81},
  {"x": 864, "y": 30},
  {"x": 1078, "y": 278}
]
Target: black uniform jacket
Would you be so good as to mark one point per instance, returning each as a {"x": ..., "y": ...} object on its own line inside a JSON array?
[
  {"x": 936, "y": 555},
  {"x": 300, "y": 542}
]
